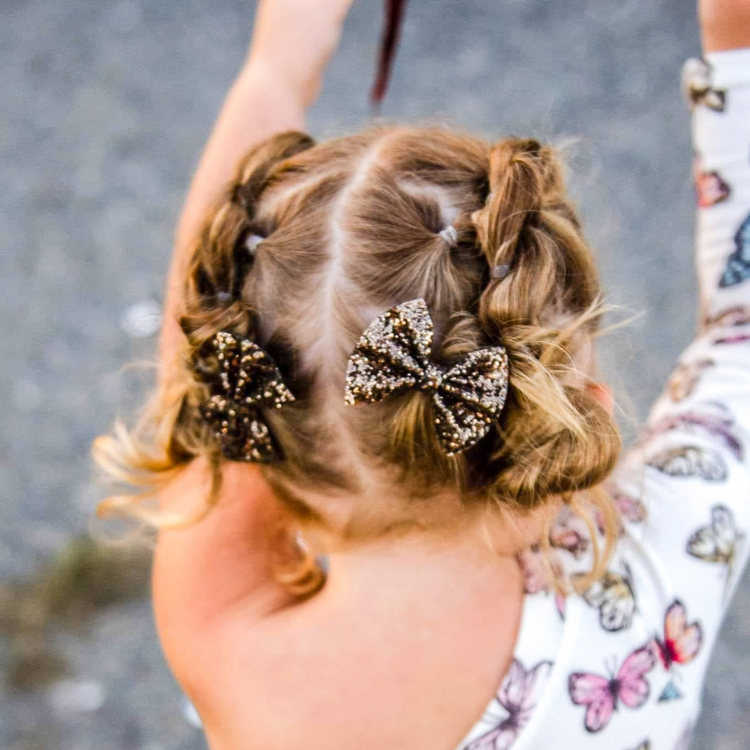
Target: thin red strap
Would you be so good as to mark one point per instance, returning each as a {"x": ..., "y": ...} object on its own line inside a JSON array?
[{"x": 394, "y": 14}]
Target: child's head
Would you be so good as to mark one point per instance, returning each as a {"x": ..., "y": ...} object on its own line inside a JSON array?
[{"x": 313, "y": 242}]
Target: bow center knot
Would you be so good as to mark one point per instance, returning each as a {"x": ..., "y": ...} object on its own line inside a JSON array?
[
  {"x": 433, "y": 378},
  {"x": 394, "y": 354}
]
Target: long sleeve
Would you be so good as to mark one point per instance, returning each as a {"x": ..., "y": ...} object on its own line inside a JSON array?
[
  {"x": 721, "y": 139},
  {"x": 691, "y": 467}
]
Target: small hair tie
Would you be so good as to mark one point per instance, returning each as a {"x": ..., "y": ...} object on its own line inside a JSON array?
[
  {"x": 500, "y": 271},
  {"x": 450, "y": 235},
  {"x": 252, "y": 242}
]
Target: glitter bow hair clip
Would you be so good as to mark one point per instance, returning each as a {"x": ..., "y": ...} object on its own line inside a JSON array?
[
  {"x": 394, "y": 355},
  {"x": 248, "y": 381}
]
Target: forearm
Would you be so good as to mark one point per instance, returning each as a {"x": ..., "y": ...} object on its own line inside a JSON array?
[{"x": 257, "y": 106}]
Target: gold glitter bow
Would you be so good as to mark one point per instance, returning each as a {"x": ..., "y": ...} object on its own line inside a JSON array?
[
  {"x": 394, "y": 354},
  {"x": 248, "y": 381}
]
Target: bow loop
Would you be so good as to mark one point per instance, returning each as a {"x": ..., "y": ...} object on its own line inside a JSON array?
[
  {"x": 394, "y": 354},
  {"x": 248, "y": 382}
]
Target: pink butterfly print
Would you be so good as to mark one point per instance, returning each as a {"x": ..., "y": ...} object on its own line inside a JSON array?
[
  {"x": 682, "y": 641},
  {"x": 601, "y": 523},
  {"x": 629, "y": 508},
  {"x": 737, "y": 338},
  {"x": 718, "y": 424},
  {"x": 518, "y": 695},
  {"x": 711, "y": 188},
  {"x": 732, "y": 316},
  {"x": 602, "y": 695},
  {"x": 536, "y": 574},
  {"x": 569, "y": 532}
]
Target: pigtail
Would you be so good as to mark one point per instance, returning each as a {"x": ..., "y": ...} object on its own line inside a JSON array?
[
  {"x": 227, "y": 246},
  {"x": 172, "y": 431},
  {"x": 553, "y": 438}
]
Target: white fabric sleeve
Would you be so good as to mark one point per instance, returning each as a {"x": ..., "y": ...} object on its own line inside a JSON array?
[{"x": 691, "y": 467}]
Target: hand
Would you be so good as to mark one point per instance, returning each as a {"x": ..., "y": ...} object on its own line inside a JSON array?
[
  {"x": 725, "y": 24},
  {"x": 293, "y": 41}
]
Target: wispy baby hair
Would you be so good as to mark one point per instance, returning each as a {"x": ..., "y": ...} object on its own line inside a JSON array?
[{"x": 309, "y": 245}]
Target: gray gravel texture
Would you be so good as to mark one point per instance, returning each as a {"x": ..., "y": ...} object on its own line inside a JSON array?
[{"x": 105, "y": 106}]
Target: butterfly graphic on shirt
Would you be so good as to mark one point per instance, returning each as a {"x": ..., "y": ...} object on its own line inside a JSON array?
[
  {"x": 710, "y": 188},
  {"x": 536, "y": 572},
  {"x": 680, "y": 645},
  {"x": 539, "y": 574},
  {"x": 613, "y": 595},
  {"x": 690, "y": 461},
  {"x": 685, "y": 378},
  {"x": 697, "y": 80},
  {"x": 569, "y": 532},
  {"x": 518, "y": 697},
  {"x": 709, "y": 417},
  {"x": 719, "y": 542},
  {"x": 602, "y": 696},
  {"x": 712, "y": 98},
  {"x": 629, "y": 508},
  {"x": 670, "y": 693},
  {"x": 731, "y": 317},
  {"x": 734, "y": 338},
  {"x": 738, "y": 263}
]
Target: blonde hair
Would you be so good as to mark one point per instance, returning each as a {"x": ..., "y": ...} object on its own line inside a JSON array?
[{"x": 351, "y": 227}]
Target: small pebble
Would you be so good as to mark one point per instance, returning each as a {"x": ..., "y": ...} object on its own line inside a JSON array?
[
  {"x": 190, "y": 714},
  {"x": 141, "y": 320},
  {"x": 77, "y": 696}
]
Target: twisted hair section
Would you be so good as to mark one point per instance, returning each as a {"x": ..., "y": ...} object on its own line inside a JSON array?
[
  {"x": 555, "y": 439},
  {"x": 171, "y": 431},
  {"x": 309, "y": 245}
]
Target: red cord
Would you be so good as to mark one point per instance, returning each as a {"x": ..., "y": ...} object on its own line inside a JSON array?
[{"x": 394, "y": 14}]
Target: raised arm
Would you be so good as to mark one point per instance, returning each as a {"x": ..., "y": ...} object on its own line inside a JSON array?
[
  {"x": 692, "y": 466},
  {"x": 281, "y": 77},
  {"x": 213, "y": 567},
  {"x": 725, "y": 24}
]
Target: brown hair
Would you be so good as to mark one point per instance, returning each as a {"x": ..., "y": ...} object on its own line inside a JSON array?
[{"x": 351, "y": 227}]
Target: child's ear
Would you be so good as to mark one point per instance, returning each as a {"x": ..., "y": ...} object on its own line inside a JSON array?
[{"x": 602, "y": 395}]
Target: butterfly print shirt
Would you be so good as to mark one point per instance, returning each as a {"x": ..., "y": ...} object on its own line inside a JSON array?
[{"x": 621, "y": 666}]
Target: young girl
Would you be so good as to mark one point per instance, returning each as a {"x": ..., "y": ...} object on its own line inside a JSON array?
[{"x": 378, "y": 349}]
